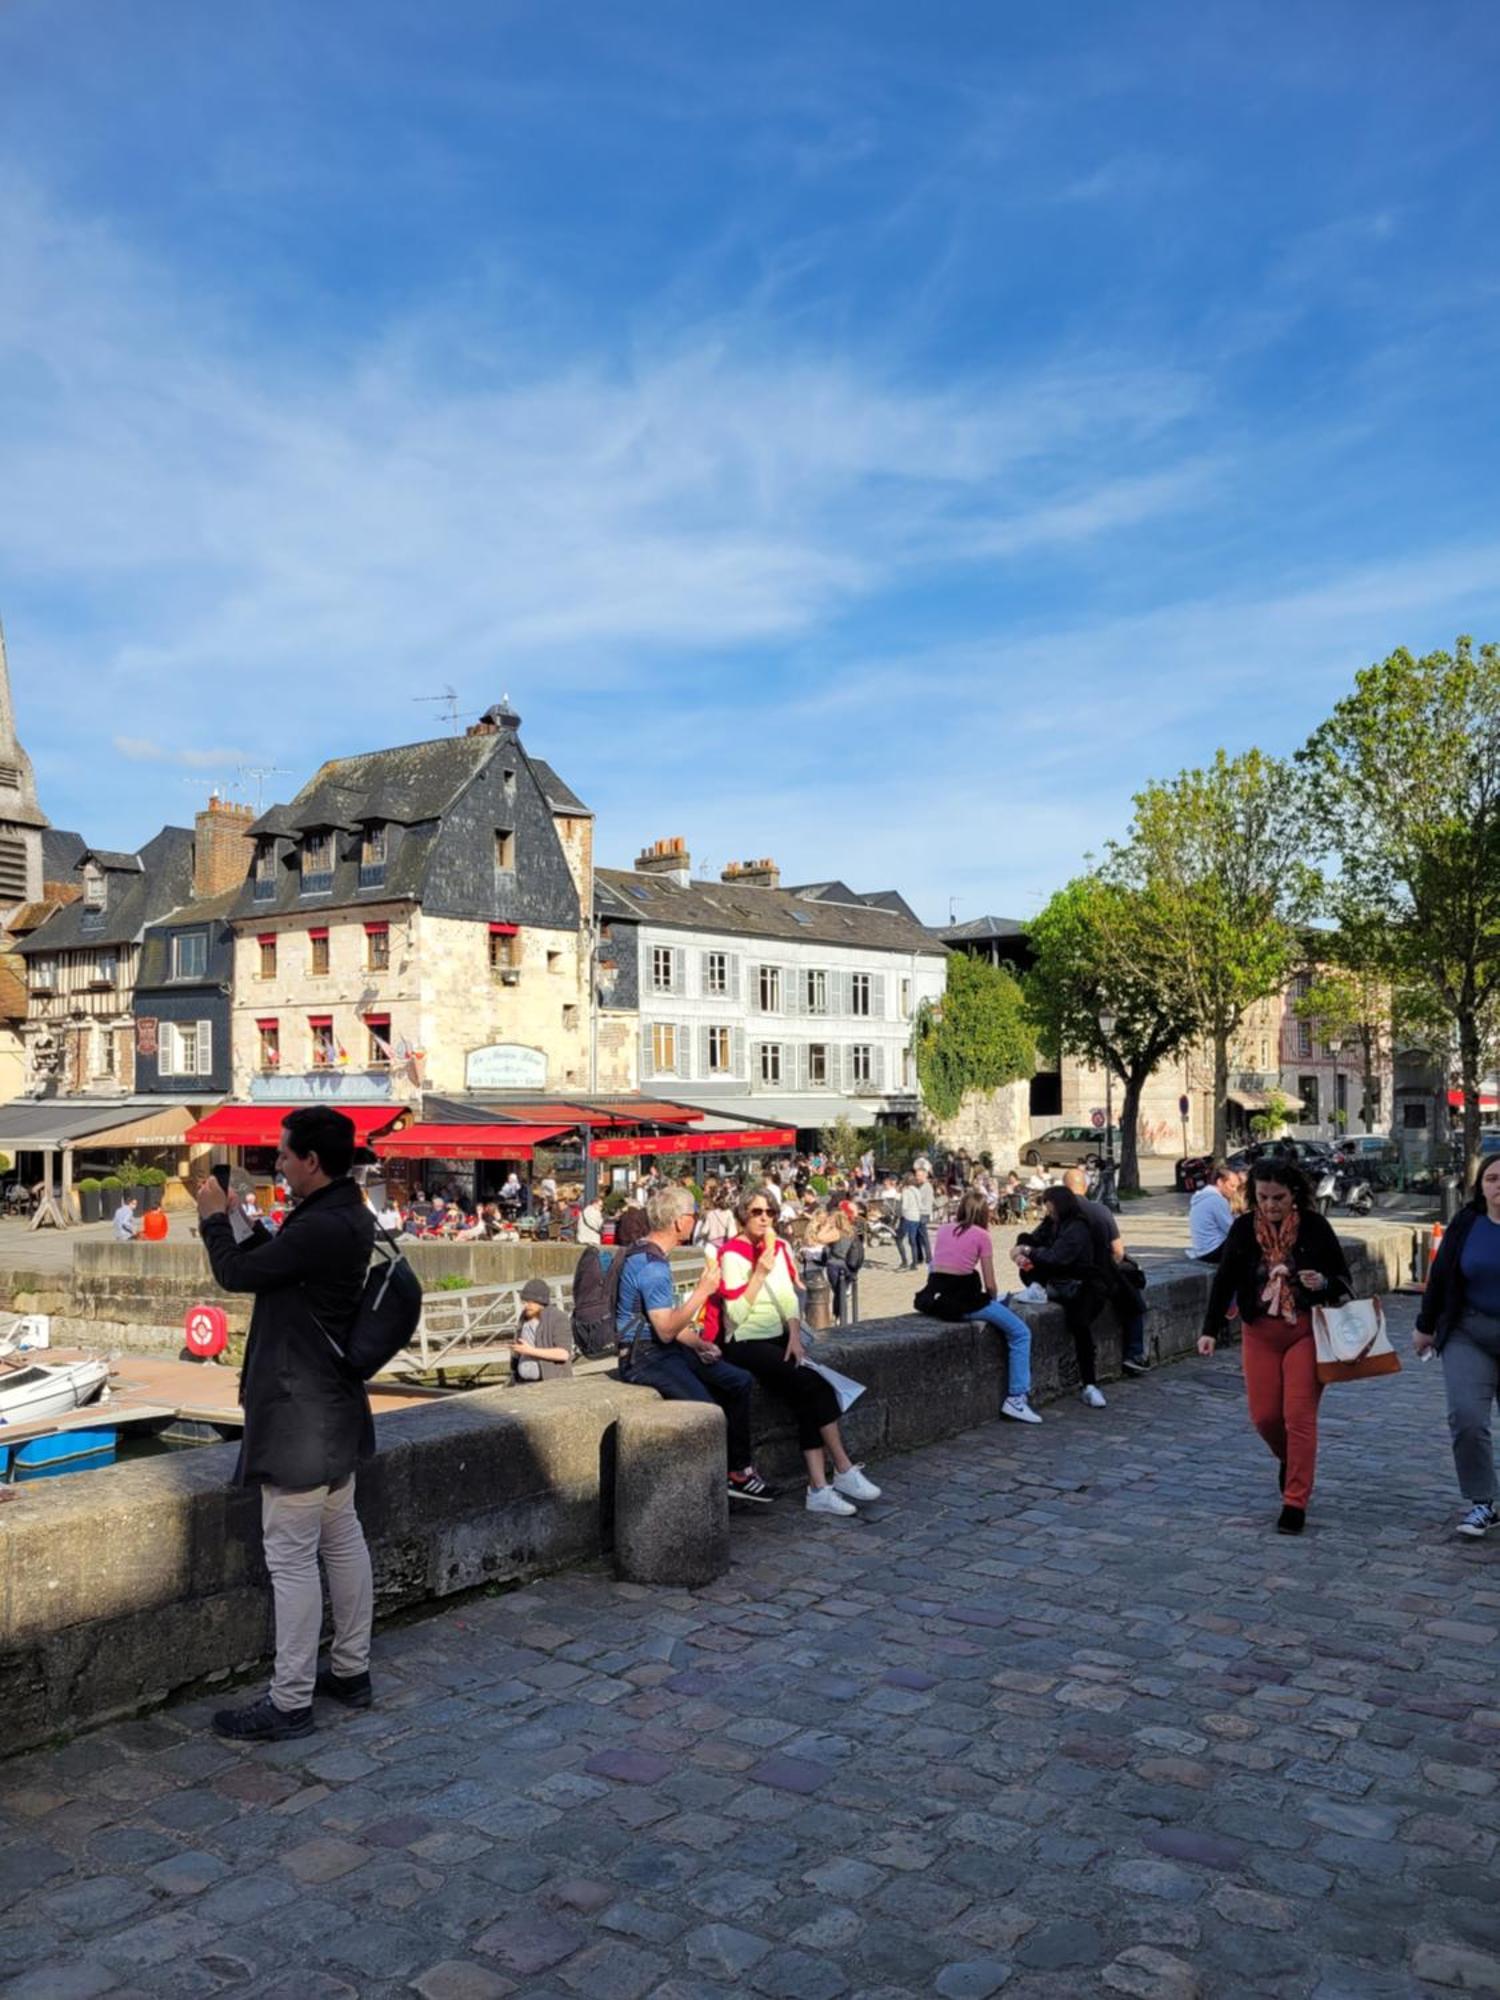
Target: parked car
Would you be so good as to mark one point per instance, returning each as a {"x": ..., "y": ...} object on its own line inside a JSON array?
[
  {"x": 1370, "y": 1153},
  {"x": 1069, "y": 1146},
  {"x": 1311, "y": 1155}
]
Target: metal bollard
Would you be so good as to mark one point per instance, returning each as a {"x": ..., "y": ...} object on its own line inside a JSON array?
[{"x": 819, "y": 1301}]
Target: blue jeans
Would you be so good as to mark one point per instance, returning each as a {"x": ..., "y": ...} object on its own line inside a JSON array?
[
  {"x": 678, "y": 1376},
  {"x": 1132, "y": 1329},
  {"x": 1018, "y": 1345}
]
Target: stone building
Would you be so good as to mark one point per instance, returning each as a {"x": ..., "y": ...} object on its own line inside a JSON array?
[
  {"x": 793, "y": 1007},
  {"x": 414, "y": 921}
]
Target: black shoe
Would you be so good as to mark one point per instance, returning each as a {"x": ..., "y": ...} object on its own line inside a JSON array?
[
  {"x": 263, "y": 1722},
  {"x": 353, "y": 1690},
  {"x": 1131, "y": 1366},
  {"x": 750, "y": 1486},
  {"x": 1291, "y": 1521}
]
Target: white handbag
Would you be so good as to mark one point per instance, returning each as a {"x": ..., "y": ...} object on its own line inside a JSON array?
[{"x": 1352, "y": 1342}]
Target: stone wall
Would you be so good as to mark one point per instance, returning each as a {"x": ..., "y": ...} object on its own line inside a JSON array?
[
  {"x": 118, "y": 1587},
  {"x": 997, "y": 1122}
]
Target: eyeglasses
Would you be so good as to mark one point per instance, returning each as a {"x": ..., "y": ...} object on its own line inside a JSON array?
[{"x": 757, "y": 1211}]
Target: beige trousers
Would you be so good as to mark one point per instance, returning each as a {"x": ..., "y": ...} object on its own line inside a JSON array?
[{"x": 295, "y": 1528}]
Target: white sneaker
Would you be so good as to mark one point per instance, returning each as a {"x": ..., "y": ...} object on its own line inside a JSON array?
[
  {"x": 823, "y": 1500},
  {"x": 1019, "y": 1408},
  {"x": 854, "y": 1485},
  {"x": 1093, "y": 1395}
]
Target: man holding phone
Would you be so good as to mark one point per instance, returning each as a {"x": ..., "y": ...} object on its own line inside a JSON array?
[{"x": 307, "y": 1416}]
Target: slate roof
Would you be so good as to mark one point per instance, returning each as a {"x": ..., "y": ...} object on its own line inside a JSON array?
[
  {"x": 561, "y": 797},
  {"x": 160, "y": 877},
  {"x": 739, "y": 910},
  {"x": 156, "y": 966},
  {"x": 979, "y": 928},
  {"x": 840, "y": 892},
  {"x": 61, "y": 854},
  {"x": 412, "y": 783},
  {"x": 120, "y": 864}
]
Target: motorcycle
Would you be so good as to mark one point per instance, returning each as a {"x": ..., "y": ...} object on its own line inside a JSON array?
[
  {"x": 1326, "y": 1191},
  {"x": 1355, "y": 1194}
]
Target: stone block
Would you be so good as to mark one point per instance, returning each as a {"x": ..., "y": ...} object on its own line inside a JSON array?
[{"x": 671, "y": 1506}]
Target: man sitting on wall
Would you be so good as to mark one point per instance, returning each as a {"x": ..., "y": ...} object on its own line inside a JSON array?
[
  {"x": 1109, "y": 1255},
  {"x": 1210, "y": 1213}
]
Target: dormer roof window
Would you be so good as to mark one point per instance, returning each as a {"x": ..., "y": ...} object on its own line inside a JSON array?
[{"x": 95, "y": 887}]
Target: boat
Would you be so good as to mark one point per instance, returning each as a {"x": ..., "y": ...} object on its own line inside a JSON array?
[
  {"x": 49, "y": 1389},
  {"x": 63, "y": 1451}
]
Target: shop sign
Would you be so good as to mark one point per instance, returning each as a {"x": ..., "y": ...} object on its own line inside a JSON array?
[
  {"x": 505, "y": 1066},
  {"x": 145, "y": 1036}
]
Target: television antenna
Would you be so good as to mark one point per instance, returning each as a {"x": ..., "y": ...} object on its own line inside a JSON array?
[
  {"x": 953, "y": 903},
  {"x": 447, "y": 701},
  {"x": 260, "y": 772}
]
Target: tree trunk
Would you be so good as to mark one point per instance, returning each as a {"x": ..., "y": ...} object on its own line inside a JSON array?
[
  {"x": 1368, "y": 1086},
  {"x": 1130, "y": 1107},
  {"x": 1468, "y": 1078},
  {"x": 1221, "y": 1095}
]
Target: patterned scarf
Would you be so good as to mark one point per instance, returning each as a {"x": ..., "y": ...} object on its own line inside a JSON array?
[{"x": 1277, "y": 1242}]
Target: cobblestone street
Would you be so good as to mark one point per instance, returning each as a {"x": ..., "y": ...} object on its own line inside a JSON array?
[{"x": 1060, "y": 1716}]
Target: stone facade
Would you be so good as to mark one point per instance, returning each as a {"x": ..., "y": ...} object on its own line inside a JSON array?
[{"x": 997, "y": 1122}]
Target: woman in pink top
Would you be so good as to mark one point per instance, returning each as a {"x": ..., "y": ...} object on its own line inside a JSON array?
[{"x": 961, "y": 1285}]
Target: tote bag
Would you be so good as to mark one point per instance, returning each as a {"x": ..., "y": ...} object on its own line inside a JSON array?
[{"x": 1352, "y": 1342}]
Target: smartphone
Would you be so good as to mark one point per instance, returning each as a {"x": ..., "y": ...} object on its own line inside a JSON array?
[{"x": 221, "y": 1175}]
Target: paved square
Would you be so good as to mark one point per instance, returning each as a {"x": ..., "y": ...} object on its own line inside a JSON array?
[{"x": 1060, "y": 1717}]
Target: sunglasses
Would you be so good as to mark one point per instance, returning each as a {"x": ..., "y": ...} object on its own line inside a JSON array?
[{"x": 757, "y": 1211}]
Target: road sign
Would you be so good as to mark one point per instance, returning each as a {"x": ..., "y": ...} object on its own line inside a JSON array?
[
  {"x": 1096, "y": 1119},
  {"x": 1184, "y": 1106}
]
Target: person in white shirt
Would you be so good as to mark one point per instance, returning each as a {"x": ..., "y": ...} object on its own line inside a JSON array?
[
  {"x": 126, "y": 1225},
  {"x": 591, "y": 1223},
  {"x": 1210, "y": 1213}
]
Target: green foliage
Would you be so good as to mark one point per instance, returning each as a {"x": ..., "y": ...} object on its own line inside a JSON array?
[
  {"x": 1403, "y": 785},
  {"x": 818, "y": 1183},
  {"x": 453, "y": 1283},
  {"x": 150, "y": 1177},
  {"x": 843, "y": 1143},
  {"x": 5, "y": 1163},
  {"x": 1266, "y": 1124},
  {"x": 88, "y": 1185},
  {"x": 613, "y": 1202},
  {"x": 111, "y": 1181},
  {"x": 896, "y": 1146},
  {"x": 979, "y": 1038}
]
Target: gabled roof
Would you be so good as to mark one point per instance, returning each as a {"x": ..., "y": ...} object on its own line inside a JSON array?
[
  {"x": 121, "y": 864},
  {"x": 840, "y": 892},
  {"x": 562, "y": 798},
  {"x": 979, "y": 928},
  {"x": 210, "y": 912},
  {"x": 61, "y": 854},
  {"x": 412, "y": 783},
  {"x": 738, "y": 910},
  {"x": 159, "y": 878}
]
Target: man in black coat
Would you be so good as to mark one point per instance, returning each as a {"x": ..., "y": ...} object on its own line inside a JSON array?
[{"x": 307, "y": 1416}]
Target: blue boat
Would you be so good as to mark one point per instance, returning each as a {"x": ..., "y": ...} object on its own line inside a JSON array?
[{"x": 64, "y": 1451}]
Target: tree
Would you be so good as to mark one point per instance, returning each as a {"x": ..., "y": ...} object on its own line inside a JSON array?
[
  {"x": 977, "y": 1038},
  {"x": 1099, "y": 952},
  {"x": 1349, "y": 1010},
  {"x": 1403, "y": 783},
  {"x": 1219, "y": 852}
]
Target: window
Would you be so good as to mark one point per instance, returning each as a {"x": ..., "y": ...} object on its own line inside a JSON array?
[
  {"x": 815, "y": 992},
  {"x": 185, "y": 1048},
  {"x": 265, "y": 870},
  {"x": 93, "y": 887},
  {"x": 817, "y": 1063},
  {"x": 505, "y": 853},
  {"x": 1302, "y": 1039},
  {"x": 716, "y": 974},
  {"x": 768, "y": 1062},
  {"x": 1370, "y": 1102},
  {"x": 906, "y": 999},
  {"x": 554, "y": 961},
  {"x": 377, "y": 947},
  {"x": 1414, "y": 1115},
  {"x": 104, "y": 1052},
  {"x": 317, "y": 955},
  {"x": 324, "y": 1047},
  {"x": 44, "y": 975},
  {"x": 190, "y": 955},
  {"x": 768, "y": 989},
  {"x": 508, "y": 786},
  {"x": 505, "y": 948},
  {"x": 378, "y": 1027},
  {"x": 104, "y": 969},
  {"x": 13, "y": 871},
  {"x": 717, "y": 1045},
  {"x": 1307, "y": 1090},
  {"x": 372, "y": 858},
  {"x": 663, "y": 1048},
  {"x": 862, "y": 1059},
  {"x": 859, "y": 993},
  {"x": 317, "y": 863},
  {"x": 268, "y": 1034},
  {"x": 570, "y": 1018},
  {"x": 266, "y": 946},
  {"x": 908, "y": 1070},
  {"x": 661, "y": 968}
]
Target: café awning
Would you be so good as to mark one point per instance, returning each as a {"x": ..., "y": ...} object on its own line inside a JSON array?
[
  {"x": 260, "y": 1124},
  {"x": 34, "y": 1127},
  {"x": 1486, "y": 1102},
  {"x": 738, "y": 1139},
  {"x": 1260, "y": 1100},
  {"x": 467, "y": 1142}
]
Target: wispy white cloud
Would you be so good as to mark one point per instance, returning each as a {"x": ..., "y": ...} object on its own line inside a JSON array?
[{"x": 146, "y": 750}]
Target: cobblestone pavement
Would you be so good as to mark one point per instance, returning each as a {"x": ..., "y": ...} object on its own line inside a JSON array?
[{"x": 1059, "y": 1717}]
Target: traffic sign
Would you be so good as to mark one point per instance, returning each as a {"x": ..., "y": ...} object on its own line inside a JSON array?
[
  {"x": 1184, "y": 1105},
  {"x": 1096, "y": 1119}
]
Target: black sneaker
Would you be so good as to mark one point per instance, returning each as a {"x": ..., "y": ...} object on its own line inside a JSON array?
[
  {"x": 750, "y": 1486},
  {"x": 1291, "y": 1521},
  {"x": 1131, "y": 1366},
  {"x": 263, "y": 1722},
  {"x": 353, "y": 1690}
]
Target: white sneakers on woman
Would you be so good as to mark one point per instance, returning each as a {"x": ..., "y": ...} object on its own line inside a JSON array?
[
  {"x": 846, "y": 1488},
  {"x": 1020, "y": 1409}
]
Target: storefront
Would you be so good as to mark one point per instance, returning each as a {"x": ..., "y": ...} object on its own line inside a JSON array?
[
  {"x": 53, "y": 1142},
  {"x": 247, "y": 1135}
]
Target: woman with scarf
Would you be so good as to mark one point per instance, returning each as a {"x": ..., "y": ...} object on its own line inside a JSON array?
[{"x": 1280, "y": 1259}]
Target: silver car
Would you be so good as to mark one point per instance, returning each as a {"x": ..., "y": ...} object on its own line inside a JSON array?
[{"x": 1069, "y": 1146}]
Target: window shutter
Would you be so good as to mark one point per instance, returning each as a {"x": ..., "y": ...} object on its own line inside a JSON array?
[
  {"x": 733, "y": 958},
  {"x": 703, "y": 1055},
  {"x": 838, "y": 992},
  {"x": 877, "y": 995},
  {"x": 703, "y": 981},
  {"x": 877, "y": 1066},
  {"x": 737, "y": 1051},
  {"x": 685, "y": 1067},
  {"x": 679, "y": 969},
  {"x": 800, "y": 1079},
  {"x": 846, "y": 1063},
  {"x": 648, "y": 1068},
  {"x": 205, "y": 1047}
]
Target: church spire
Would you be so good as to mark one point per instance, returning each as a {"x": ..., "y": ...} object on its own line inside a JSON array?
[{"x": 8, "y": 744}]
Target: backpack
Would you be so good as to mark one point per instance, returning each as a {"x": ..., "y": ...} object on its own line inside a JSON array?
[
  {"x": 387, "y": 1315},
  {"x": 594, "y": 1303}
]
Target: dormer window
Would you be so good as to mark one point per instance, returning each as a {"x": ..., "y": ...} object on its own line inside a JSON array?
[
  {"x": 372, "y": 852},
  {"x": 95, "y": 887},
  {"x": 508, "y": 785},
  {"x": 265, "y": 870},
  {"x": 317, "y": 862}
]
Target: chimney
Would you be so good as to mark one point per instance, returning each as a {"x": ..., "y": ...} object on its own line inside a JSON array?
[
  {"x": 220, "y": 856},
  {"x": 669, "y": 858},
  {"x": 762, "y": 874},
  {"x": 495, "y": 719}
]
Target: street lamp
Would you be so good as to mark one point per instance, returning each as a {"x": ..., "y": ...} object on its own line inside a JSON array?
[{"x": 1106, "y": 1029}]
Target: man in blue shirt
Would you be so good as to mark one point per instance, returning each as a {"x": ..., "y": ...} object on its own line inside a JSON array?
[{"x": 666, "y": 1351}]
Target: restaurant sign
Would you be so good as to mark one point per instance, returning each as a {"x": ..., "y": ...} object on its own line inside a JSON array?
[
  {"x": 505, "y": 1066},
  {"x": 145, "y": 1035}
]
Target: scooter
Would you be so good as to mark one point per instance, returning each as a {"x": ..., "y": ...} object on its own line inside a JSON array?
[
  {"x": 1356, "y": 1195},
  {"x": 1326, "y": 1191}
]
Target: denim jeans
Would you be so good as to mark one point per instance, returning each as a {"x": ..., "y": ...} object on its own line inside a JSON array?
[{"x": 1017, "y": 1342}]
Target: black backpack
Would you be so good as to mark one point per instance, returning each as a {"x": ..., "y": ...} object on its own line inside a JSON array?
[
  {"x": 594, "y": 1304},
  {"x": 387, "y": 1314}
]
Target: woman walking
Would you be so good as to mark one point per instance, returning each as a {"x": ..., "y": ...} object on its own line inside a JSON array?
[
  {"x": 1061, "y": 1253},
  {"x": 1280, "y": 1259},
  {"x": 1460, "y": 1317},
  {"x": 961, "y": 1285},
  {"x": 761, "y": 1315}
]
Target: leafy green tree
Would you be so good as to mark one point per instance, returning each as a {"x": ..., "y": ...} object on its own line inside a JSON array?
[
  {"x": 978, "y": 1038},
  {"x": 1403, "y": 783},
  {"x": 1220, "y": 853},
  {"x": 1100, "y": 954},
  {"x": 1349, "y": 1008}
]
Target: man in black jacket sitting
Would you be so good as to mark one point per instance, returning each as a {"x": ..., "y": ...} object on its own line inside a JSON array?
[{"x": 307, "y": 1416}]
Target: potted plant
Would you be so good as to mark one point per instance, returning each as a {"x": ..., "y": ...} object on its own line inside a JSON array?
[
  {"x": 89, "y": 1201},
  {"x": 130, "y": 1178},
  {"x": 111, "y": 1194},
  {"x": 153, "y": 1185}
]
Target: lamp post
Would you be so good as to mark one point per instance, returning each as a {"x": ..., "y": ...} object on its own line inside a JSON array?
[
  {"x": 1106, "y": 1029},
  {"x": 603, "y": 973}
]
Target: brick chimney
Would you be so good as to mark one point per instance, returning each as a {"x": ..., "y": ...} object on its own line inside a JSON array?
[
  {"x": 220, "y": 856},
  {"x": 669, "y": 858},
  {"x": 762, "y": 874}
]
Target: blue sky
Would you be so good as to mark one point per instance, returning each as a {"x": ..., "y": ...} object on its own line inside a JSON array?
[{"x": 877, "y": 436}]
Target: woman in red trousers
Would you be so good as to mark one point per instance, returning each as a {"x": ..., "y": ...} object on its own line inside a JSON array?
[{"x": 1280, "y": 1259}]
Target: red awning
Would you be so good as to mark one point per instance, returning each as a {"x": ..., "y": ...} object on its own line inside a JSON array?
[
  {"x": 1486, "y": 1103},
  {"x": 467, "y": 1142},
  {"x": 260, "y": 1124},
  {"x": 770, "y": 1139}
]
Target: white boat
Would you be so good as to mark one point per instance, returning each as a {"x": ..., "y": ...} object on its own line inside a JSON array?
[{"x": 49, "y": 1389}]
